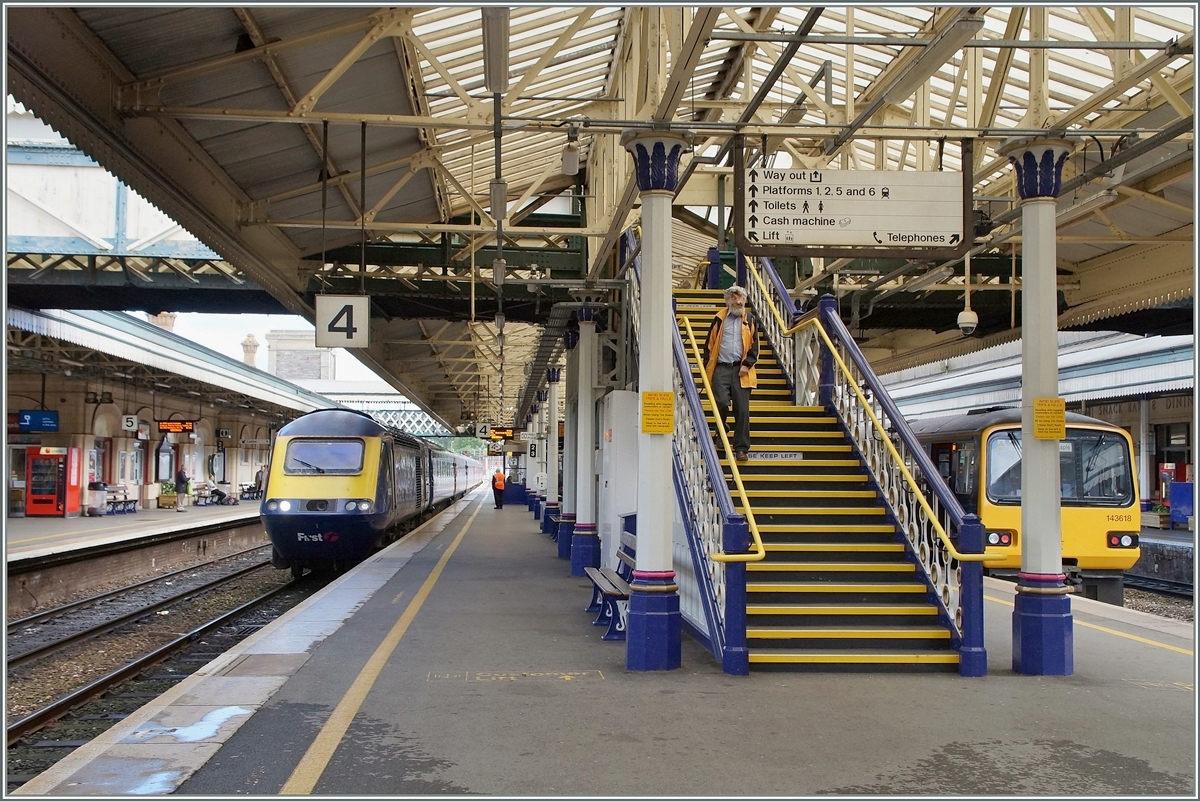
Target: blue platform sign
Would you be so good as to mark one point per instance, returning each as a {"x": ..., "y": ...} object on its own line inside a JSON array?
[{"x": 37, "y": 420}]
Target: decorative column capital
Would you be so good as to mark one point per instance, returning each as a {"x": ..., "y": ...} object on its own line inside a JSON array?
[
  {"x": 656, "y": 157},
  {"x": 587, "y": 314},
  {"x": 543, "y": 396},
  {"x": 570, "y": 339},
  {"x": 1038, "y": 164},
  {"x": 533, "y": 408},
  {"x": 553, "y": 374}
]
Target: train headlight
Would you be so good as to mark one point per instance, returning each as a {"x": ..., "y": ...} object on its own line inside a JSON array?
[
  {"x": 285, "y": 506},
  {"x": 1122, "y": 540},
  {"x": 1000, "y": 538},
  {"x": 272, "y": 506},
  {"x": 351, "y": 506},
  {"x": 364, "y": 506}
]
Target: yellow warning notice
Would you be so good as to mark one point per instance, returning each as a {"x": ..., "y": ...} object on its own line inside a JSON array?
[
  {"x": 658, "y": 412},
  {"x": 1049, "y": 418}
]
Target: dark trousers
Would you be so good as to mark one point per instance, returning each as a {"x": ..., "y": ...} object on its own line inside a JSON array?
[
  {"x": 499, "y": 493},
  {"x": 727, "y": 390}
]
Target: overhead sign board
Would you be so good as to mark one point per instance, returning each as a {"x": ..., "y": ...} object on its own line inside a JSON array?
[
  {"x": 527, "y": 436},
  {"x": 343, "y": 321},
  {"x": 29, "y": 420},
  {"x": 176, "y": 426},
  {"x": 129, "y": 422},
  {"x": 799, "y": 211},
  {"x": 853, "y": 207}
]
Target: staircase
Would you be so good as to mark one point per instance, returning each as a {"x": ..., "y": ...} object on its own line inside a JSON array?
[{"x": 835, "y": 591}]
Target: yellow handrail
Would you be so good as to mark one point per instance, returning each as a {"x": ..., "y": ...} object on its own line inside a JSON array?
[
  {"x": 908, "y": 477},
  {"x": 758, "y": 552}
]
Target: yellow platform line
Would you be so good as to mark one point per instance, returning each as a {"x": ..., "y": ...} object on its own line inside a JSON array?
[
  {"x": 308, "y": 772},
  {"x": 1106, "y": 630},
  {"x": 950, "y": 657}
]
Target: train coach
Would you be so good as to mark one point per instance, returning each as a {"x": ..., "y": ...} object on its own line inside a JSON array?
[
  {"x": 340, "y": 485},
  {"x": 979, "y": 455}
]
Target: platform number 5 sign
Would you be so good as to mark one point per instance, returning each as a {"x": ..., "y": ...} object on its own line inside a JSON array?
[{"x": 343, "y": 321}]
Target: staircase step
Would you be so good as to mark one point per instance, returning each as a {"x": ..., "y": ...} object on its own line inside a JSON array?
[
  {"x": 772, "y": 528},
  {"x": 845, "y": 610},
  {"x": 830, "y": 567},
  {"x": 835, "y": 547},
  {"x": 860, "y": 656},
  {"x": 810, "y": 494},
  {"x": 870, "y": 511},
  {"x": 857, "y": 587},
  {"x": 822, "y": 633}
]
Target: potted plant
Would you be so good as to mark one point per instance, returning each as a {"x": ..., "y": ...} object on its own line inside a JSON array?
[
  {"x": 1159, "y": 516},
  {"x": 166, "y": 495}
]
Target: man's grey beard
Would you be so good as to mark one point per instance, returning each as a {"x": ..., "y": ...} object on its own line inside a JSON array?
[{"x": 736, "y": 312}]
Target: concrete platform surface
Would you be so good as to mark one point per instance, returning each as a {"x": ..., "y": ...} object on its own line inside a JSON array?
[
  {"x": 31, "y": 537},
  {"x": 460, "y": 661}
]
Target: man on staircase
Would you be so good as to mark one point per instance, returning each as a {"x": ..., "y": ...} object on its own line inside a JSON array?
[{"x": 730, "y": 353}]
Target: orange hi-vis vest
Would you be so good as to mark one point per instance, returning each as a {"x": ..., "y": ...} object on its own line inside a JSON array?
[{"x": 498, "y": 481}]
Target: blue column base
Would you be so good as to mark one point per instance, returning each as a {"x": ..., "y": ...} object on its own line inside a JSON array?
[
  {"x": 972, "y": 662},
  {"x": 531, "y": 500},
  {"x": 1043, "y": 630},
  {"x": 585, "y": 548},
  {"x": 652, "y": 629},
  {"x": 566, "y": 529},
  {"x": 537, "y": 510}
]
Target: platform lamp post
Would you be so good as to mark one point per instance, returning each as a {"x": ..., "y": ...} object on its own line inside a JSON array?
[
  {"x": 585, "y": 540},
  {"x": 653, "y": 626},
  {"x": 566, "y": 523},
  {"x": 1042, "y": 626},
  {"x": 552, "y": 505}
]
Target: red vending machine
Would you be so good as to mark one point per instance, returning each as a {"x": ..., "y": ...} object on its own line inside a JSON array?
[{"x": 53, "y": 482}]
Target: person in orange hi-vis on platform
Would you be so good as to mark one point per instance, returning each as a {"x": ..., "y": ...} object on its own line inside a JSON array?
[{"x": 498, "y": 488}]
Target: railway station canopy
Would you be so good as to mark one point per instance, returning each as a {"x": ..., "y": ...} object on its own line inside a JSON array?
[{"x": 402, "y": 152}]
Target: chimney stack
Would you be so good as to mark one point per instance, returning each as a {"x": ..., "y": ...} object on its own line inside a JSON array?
[{"x": 249, "y": 348}]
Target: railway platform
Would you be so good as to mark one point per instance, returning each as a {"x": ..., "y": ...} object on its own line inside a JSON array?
[
  {"x": 460, "y": 660},
  {"x": 34, "y": 537}
]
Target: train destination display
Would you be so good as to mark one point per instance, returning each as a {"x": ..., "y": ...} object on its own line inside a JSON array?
[{"x": 875, "y": 208}]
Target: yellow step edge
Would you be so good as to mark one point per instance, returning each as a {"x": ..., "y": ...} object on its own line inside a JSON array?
[
  {"x": 831, "y": 567},
  {"x": 758, "y": 432},
  {"x": 816, "y": 633},
  {"x": 810, "y": 493},
  {"x": 803, "y": 587},
  {"x": 785, "y": 528},
  {"x": 845, "y": 609},
  {"x": 834, "y": 547},
  {"x": 766, "y": 657},
  {"x": 749, "y": 478},
  {"x": 818, "y": 463},
  {"x": 829, "y": 510},
  {"x": 806, "y": 448}
]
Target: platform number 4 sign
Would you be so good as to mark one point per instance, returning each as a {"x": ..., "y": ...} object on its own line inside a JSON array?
[{"x": 343, "y": 321}]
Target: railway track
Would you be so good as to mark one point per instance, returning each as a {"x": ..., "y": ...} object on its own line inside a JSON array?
[
  {"x": 49, "y": 631},
  {"x": 1175, "y": 589}
]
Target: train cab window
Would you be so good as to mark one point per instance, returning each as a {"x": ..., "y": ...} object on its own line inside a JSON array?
[
  {"x": 307, "y": 457},
  {"x": 1094, "y": 468}
]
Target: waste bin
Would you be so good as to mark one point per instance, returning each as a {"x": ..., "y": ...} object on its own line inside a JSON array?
[{"x": 97, "y": 499}]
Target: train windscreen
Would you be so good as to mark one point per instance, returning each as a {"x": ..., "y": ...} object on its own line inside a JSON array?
[
  {"x": 308, "y": 457},
  {"x": 1094, "y": 468}
]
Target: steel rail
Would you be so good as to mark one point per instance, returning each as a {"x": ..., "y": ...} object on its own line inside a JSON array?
[
  {"x": 39, "y": 617},
  {"x": 48, "y": 714},
  {"x": 109, "y": 625}
]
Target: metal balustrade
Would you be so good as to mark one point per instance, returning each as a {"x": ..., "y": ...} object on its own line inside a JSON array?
[{"x": 830, "y": 370}]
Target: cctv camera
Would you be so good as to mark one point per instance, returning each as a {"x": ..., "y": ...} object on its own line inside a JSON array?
[{"x": 968, "y": 321}]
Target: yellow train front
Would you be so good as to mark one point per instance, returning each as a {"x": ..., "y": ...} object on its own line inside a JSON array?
[
  {"x": 979, "y": 455},
  {"x": 341, "y": 485}
]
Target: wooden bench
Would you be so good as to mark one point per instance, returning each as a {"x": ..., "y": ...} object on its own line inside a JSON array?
[
  {"x": 610, "y": 599},
  {"x": 610, "y": 589},
  {"x": 248, "y": 492},
  {"x": 203, "y": 497},
  {"x": 118, "y": 501}
]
